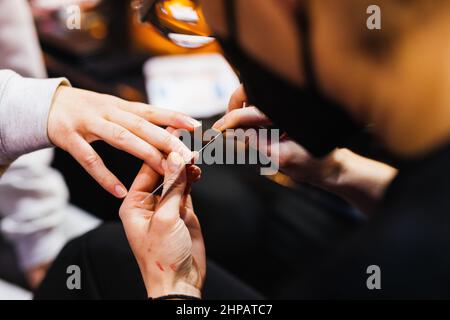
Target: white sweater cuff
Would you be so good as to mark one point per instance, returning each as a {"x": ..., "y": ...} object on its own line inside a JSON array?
[
  {"x": 39, "y": 248},
  {"x": 24, "y": 109}
]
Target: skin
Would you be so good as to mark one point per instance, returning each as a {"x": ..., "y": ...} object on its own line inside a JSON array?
[
  {"x": 359, "y": 180},
  {"x": 78, "y": 118},
  {"x": 164, "y": 233},
  {"x": 403, "y": 93},
  {"x": 36, "y": 274},
  {"x": 386, "y": 91}
]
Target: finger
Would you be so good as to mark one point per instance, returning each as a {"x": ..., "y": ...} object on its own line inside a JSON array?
[
  {"x": 146, "y": 180},
  {"x": 174, "y": 187},
  {"x": 160, "y": 116},
  {"x": 93, "y": 164},
  {"x": 187, "y": 208},
  {"x": 247, "y": 117},
  {"x": 194, "y": 173},
  {"x": 238, "y": 99},
  {"x": 174, "y": 132},
  {"x": 124, "y": 140},
  {"x": 171, "y": 130},
  {"x": 140, "y": 200},
  {"x": 152, "y": 134}
]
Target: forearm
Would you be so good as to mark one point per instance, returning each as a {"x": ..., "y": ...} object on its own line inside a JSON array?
[
  {"x": 360, "y": 181},
  {"x": 24, "y": 108}
]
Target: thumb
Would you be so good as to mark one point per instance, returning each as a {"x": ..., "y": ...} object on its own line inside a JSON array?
[{"x": 174, "y": 186}]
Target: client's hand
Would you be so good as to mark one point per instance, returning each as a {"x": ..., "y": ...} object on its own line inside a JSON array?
[
  {"x": 78, "y": 118},
  {"x": 164, "y": 233}
]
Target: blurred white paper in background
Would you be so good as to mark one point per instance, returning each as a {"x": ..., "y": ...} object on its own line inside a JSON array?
[{"x": 198, "y": 85}]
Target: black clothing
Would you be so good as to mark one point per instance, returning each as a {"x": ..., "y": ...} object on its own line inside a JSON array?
[
  {"x": 409, "y": 239},
  {"x": 318, "y": 123},
  {"x": 110, "y": 271}
]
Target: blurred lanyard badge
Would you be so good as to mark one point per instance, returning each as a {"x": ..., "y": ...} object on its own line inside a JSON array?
[{"x": 198, "y": 85}]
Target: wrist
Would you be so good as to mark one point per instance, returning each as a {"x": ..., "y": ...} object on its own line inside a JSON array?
[
  {"x": 330, "y": 170},
  {"x": 167, "y": 288},
  {"x": 54, "y": 124}
]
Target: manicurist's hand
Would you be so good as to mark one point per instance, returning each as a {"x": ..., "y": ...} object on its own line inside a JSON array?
[
  {"x": 78, "y": 118},
  {"x": 361, "y": 181},
  {"x": 164, "y": 232},
  {"x": 293, "y": 159}
]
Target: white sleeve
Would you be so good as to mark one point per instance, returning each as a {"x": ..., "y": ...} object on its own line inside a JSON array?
[
  {"x": 19, "y": 45},
  {"x": 34, "y": 201},
  {"x": 32, "y": 197},
  {"x": 24, "y": 108},
  {"x": 37, "y": 216}
]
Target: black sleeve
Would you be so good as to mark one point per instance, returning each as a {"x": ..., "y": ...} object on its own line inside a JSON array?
[{"x": 409, "y": 244}]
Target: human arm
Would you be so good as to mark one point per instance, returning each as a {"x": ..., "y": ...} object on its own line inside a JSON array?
[
  {"x": 164, "y": 233},
  {"x": 36, "y": 114},
  {"x": 360, "y": 181}
]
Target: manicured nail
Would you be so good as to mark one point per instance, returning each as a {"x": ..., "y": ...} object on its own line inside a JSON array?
[
  {"x": 194, "y": 123},
  {"x": 219, "y": 124},
  {"x": 174, "y": 161},
  {"x": 121, "y": 192}
]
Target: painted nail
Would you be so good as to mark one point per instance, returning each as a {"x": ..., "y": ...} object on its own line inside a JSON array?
[
  {"x": 121, "y": 192},
  {"x": 219, "y": 124},
  {"x": 194, "y": 123}
]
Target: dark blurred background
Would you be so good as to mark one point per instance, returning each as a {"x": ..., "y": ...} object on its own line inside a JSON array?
[{"x": 253, "y": 225}]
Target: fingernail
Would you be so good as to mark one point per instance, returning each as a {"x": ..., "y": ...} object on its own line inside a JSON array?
[
  {"x": 149, "y": 200},
  {"x": 174, "y": 161},
  {"x": 121, "y": 192},
  {"x": 219, "y": 124},
  {"x": 194, "y": 123}
]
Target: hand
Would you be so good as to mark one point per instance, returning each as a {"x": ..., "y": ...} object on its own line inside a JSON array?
[
  {"x": 360, "y": 181},
  {"x": 294, "y": 160},
  {"x": 78, "y": 118},
  {"x": 36, "y": 274},
  {"x": 164, "y": 233}
]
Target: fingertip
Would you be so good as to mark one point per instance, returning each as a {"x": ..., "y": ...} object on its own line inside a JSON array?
[
  {"x": 219, "y": 124},
  {"x": 191, "y": 123},
  {"x": 194, "y": 173},
  {"x": 120, "y": 191}
]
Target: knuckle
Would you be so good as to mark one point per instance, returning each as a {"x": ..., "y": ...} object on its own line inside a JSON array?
[
  {"x": 145, "y": 110},
  {"x": 172, "y": 117},
  {"x": 91, "y": 161},
  {"x": 170, "y": 141},
  {"x": 140, "y": 124},
  {"x": 120, "y": 134}
]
